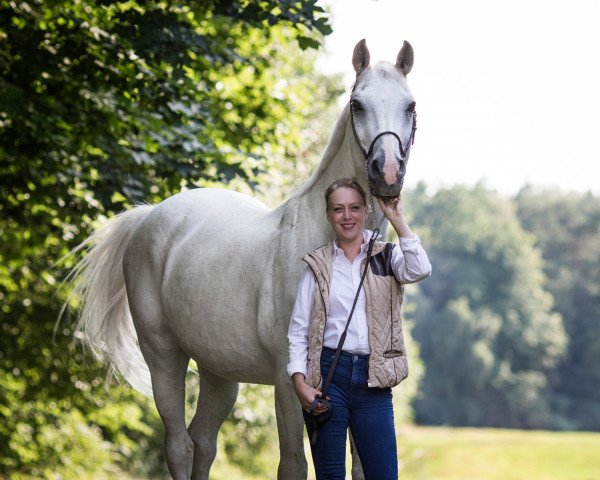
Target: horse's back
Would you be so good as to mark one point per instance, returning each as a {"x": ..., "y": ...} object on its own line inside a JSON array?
[
  {"x": 202, "y": 213},
  {"x": 203, "y": 247},
  {"x": 205, "y": 207}
]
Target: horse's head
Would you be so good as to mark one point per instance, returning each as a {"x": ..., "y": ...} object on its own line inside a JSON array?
[{"x": 383, "y": 117}]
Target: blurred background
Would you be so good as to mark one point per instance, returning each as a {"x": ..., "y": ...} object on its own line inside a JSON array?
[{"x": 107, "y": 104}]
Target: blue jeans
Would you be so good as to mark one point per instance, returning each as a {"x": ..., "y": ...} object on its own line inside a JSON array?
[{"x": 369, "y": 414}]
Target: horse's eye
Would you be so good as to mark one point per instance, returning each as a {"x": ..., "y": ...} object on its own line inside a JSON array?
[
  {"x": 356, "y": 105},
  {"x": 411, "y": 107}
]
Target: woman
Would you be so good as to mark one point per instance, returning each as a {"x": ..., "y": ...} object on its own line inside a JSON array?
[{"x": 373, "y": 357}]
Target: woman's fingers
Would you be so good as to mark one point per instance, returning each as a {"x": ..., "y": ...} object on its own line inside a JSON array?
[
  {"x": 308, "y": 399},
  {"x": 321, "y": 407},
  {"x": 307, "y": 394},
  {"x": 391, "y": 208}
]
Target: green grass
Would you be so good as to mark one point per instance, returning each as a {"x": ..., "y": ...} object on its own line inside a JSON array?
[
  {"x": 489, "y": 454},
  {"x": 431, "y": 453}
]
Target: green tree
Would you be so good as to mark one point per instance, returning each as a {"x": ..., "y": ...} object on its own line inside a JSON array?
[
  {"x": 104, "y": 104},
  {"x": 117, "y": 97},
  {"x": 488, "y": 335},
  {"x": 567, "y": 231}
]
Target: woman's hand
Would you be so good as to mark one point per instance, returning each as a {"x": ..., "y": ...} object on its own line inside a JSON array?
[
  {"x": 392, "y": 209},
  {"x": 306, "y": 394}
]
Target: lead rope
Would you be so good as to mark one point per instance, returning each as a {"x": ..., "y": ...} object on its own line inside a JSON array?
[{"x": 376, "y": 225}]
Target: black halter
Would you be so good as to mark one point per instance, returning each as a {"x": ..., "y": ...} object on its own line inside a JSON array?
[{"x": 369, "y": 153}]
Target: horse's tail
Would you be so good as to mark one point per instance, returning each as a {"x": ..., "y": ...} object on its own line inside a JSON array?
[{"x": 105, "y": 324}]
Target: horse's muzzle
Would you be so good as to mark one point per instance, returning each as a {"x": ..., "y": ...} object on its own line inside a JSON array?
[{"x": 386, "y": 177}]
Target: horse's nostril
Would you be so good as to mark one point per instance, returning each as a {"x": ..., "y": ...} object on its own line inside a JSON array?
[
  {"x": 402, "y": 171},
  {"x": 377, "y": 164}
]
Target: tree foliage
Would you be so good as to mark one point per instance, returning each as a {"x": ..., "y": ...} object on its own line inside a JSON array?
[
  {"x": 104, "y": 104},
  {"x": 108, "y": 103},
  {"x": 567, "y": 230},
  {"x": 488, "y": 335},
  {"x": 115, "y": 97}
]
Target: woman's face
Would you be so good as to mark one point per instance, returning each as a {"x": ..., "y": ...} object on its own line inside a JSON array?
[{"x": 347, "y": 212}]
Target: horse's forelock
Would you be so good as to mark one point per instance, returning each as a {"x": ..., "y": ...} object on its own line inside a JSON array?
[
  {"x": 382, "y": 70},
  {"x": 387, "y": 70}
]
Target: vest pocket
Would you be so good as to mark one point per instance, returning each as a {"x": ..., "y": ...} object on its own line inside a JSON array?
[
  {"x": 400, "y": 368},
  {"x": 393, "y": 353},
  {"x": 393, "y": 370}
]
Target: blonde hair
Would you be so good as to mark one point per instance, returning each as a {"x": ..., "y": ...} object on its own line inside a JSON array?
[{"x": 348, "y": 183}]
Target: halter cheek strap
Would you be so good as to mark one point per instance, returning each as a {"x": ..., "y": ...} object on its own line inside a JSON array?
[{"x": 403, "y": 152}]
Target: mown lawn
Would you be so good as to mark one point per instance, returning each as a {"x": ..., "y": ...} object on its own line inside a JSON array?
[
  {"x": 488, "y": 454},
  {"x": 431, "y": 453}
]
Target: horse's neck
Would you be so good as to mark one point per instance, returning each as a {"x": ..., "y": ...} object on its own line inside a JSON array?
[{"x": 305, "y": 210}]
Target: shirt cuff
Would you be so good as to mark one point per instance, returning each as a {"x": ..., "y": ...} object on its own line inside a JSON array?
[
  {"x": 410, "y": 244},
  {"x": 297, "y": 367}
]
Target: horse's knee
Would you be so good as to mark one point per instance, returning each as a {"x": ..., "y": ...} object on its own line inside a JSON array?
[
  {"x": 205, "y": 451},
  {"x": 204, "y": 448},
  {"x": 292, "y": 466},
  {"x": 179, "y": 453},
  {"x": 290, "y": 426}
]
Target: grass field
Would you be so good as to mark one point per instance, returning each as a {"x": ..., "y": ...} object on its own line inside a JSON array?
[
  {"x": 428, "y": 453},
  {"x": 487, "y": 454}
]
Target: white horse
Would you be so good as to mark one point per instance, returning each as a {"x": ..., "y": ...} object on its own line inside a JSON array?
[{"x": 211, "y": 275}]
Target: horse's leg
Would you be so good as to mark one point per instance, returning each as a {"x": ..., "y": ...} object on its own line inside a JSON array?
[
  {"x": 168, "y": 366},
  {"x": 217, "y": 397},
  {"x": 290, "y": 427},
  {"x": 167, "y": 370}
]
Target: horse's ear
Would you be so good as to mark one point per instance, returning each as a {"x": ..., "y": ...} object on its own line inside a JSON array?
[
  {"x": 360, "y": 57},
  {"x": 405, "y": 58}
]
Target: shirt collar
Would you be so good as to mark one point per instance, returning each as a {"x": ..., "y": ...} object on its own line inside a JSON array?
[{"x": 363, "y": 248}]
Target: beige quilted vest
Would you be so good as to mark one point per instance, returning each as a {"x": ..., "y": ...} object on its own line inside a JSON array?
[{"x": 387, "y": 363}]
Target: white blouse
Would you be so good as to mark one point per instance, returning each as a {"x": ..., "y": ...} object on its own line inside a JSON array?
[{"x": 409, "y": 264}]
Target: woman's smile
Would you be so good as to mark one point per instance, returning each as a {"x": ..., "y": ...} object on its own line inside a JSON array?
[{"x": 347, "y": 213}]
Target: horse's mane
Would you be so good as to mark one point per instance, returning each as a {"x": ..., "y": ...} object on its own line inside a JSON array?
[{"x": 331, "y": 151}]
